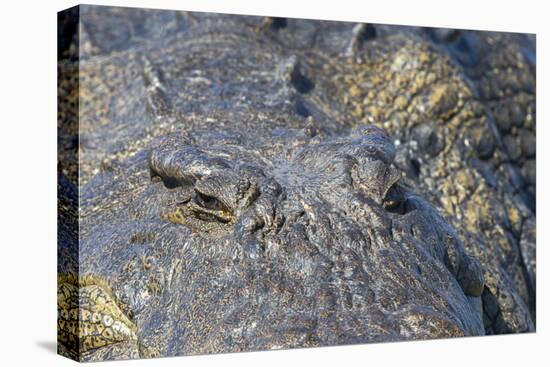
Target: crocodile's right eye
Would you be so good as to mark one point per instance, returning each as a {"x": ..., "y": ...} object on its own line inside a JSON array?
[{"x": 395, "y": 200}]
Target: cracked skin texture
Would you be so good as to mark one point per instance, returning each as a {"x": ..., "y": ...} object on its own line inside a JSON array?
[{"x": 253, "y": 184}]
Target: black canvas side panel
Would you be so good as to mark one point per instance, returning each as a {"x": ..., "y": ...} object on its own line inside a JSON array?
[{"x": 67, "y": 181}]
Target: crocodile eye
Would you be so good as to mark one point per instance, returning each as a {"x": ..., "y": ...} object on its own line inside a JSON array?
[
  {"x": 208, "y": 202},
  {"x": 210, "y": 209},
  {"x": 395, "y": 201}
]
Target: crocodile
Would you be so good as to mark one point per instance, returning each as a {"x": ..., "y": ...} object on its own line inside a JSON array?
[{"x": 249, "y": 183}]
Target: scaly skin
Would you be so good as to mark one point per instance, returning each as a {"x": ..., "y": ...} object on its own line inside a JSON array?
[
  {"x": 447, "y": 147},
  {"x": 90, "y": 320},
  {"x": 250, "y": 183}
]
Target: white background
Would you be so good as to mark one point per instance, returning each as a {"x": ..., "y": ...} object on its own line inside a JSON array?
[{"x": 28, "y": 181}]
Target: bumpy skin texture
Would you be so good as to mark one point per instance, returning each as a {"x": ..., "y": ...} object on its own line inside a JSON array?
[{"x": 254, "y": 183}]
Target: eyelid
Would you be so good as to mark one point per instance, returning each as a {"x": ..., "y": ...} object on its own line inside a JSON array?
[{"x": 224, "y": 187}]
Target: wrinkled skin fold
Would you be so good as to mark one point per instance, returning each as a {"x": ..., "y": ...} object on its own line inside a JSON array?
[{"x": 255, "y": 183}]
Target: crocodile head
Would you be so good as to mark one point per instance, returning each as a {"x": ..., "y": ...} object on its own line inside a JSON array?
[
  {"x": 286, "y": 240},
  {"x": 264, "y": 215}
]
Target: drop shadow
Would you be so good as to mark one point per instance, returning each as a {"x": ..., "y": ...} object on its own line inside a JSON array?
[{"x": 48, "y": 345}]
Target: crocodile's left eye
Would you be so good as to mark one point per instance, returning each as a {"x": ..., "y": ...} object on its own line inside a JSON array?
[
  {"x": 210, "y": 209},
  {"x": 208, "y": 202}
]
